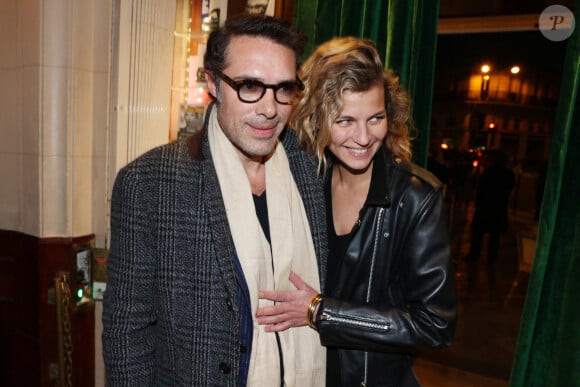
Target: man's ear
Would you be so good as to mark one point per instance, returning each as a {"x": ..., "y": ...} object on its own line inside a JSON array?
[{"x": 211, "y": 84}]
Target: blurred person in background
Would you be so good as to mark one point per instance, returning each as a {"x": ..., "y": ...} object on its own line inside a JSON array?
[{"x": 490, "y": 214}]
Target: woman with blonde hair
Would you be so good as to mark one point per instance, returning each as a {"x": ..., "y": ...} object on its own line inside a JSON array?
[{"x": 388, "y": 288}]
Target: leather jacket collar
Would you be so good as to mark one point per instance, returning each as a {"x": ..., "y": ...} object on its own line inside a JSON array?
[{"x": 379, "y": 191}]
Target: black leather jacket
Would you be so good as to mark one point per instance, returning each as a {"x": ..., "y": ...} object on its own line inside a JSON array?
[{"x": 394, "y": 292}]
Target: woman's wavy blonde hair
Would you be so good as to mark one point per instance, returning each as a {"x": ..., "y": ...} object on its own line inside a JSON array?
[{"x": 339, "y": 65}]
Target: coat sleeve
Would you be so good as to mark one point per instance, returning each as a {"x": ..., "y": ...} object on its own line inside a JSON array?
[
  {"x": 421, "y": 312},
  {"x": 128, "y": 304}
]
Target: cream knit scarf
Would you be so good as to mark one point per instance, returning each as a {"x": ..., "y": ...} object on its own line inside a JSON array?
[{"x": 266, "y": 269}]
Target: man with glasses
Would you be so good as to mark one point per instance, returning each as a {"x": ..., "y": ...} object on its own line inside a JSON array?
[{"x": 198, "y": 227}]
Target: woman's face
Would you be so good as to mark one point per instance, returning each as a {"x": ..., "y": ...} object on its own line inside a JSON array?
[{"x": 359, "y": 131}]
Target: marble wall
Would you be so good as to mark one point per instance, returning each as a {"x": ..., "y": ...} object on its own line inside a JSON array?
[{"x": 86, "y": 88}]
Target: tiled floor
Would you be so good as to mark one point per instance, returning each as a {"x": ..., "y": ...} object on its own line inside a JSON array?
[{"x": 482, "y": 352}]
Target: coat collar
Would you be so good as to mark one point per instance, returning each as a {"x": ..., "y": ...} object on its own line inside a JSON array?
[{"x": 198, "y": 140}]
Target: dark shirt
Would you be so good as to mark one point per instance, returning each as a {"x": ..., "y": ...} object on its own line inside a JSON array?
[
  {"x": 262, "y": 213},
  {"x": 337, "y": 245}
]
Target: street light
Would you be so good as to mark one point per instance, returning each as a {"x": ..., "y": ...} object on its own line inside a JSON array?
[
  {"x": 485, "y": 69},
  {"x": 514, "y": 87}
]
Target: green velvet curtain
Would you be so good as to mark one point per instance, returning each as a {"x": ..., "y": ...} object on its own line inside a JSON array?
[
  {"x": 548, "y": 347},
  {"x": 405, "y": 33}
]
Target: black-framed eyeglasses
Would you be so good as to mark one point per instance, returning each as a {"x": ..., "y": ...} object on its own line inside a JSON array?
[{"x": 251, "y": 90}]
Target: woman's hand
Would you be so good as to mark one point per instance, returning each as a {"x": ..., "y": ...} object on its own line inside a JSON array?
[{"x": 290, "y": 309}]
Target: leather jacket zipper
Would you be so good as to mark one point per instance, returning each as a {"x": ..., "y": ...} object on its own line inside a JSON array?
[
  {"x": 378, "y": 222},
  {"x": 376, "y": 239},
  {"x": 356, "y": 322}
]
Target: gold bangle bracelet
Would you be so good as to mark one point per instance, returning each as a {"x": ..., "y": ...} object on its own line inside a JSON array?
[{"x": 311, "y": 308}]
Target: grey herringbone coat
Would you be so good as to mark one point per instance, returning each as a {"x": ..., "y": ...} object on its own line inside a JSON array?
[{"x": 170, "y": 309}]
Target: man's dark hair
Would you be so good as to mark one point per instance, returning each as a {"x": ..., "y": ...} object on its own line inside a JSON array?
[{"x": 277, "y": 30}]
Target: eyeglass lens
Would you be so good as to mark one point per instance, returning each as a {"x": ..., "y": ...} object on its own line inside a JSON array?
[
  {"x": 250, "y": 90},
  {"x": 253, "y": 91}
]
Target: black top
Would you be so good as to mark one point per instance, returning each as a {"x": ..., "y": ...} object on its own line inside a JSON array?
[{"x": 337, "y": 245}]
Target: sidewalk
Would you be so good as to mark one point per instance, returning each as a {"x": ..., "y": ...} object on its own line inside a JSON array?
[{"x": 432, "y": 374}]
